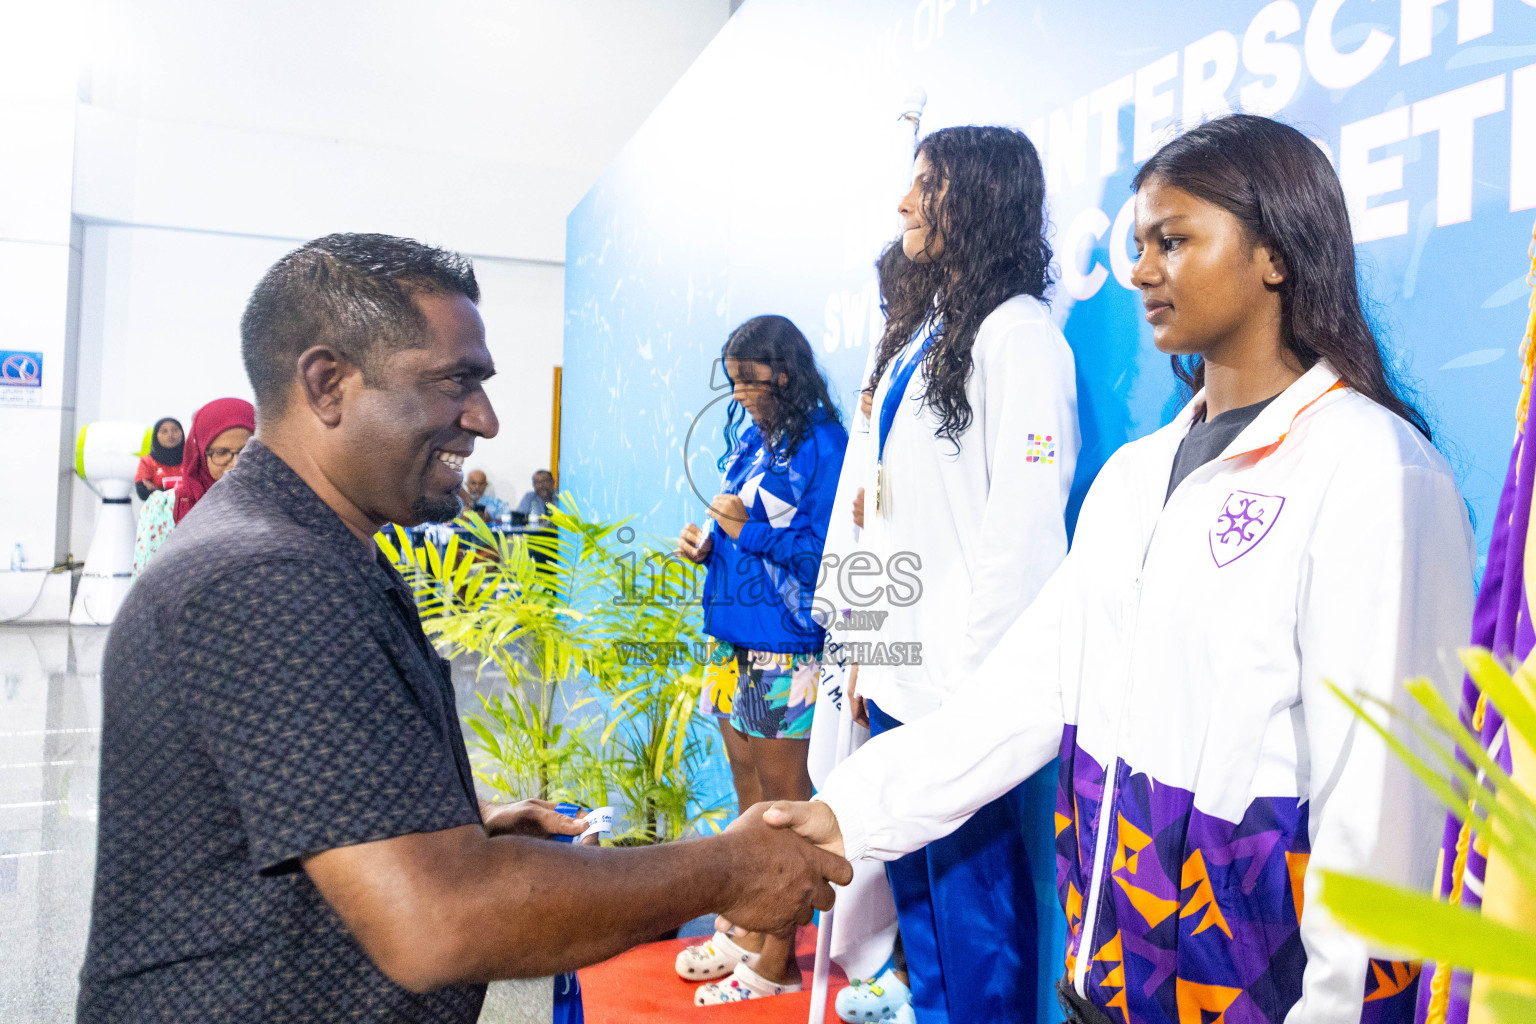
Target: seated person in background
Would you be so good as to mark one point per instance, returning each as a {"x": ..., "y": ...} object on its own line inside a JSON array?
[
  {"x": 219, "y": 432},
  {"x": 161, "y": 468},
  {"x": 289, "y": 828},
  {"x": 535, "y": 504},
  {"x": 477, "y": 497}
]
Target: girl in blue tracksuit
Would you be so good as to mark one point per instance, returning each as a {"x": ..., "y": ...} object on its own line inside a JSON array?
[{"x": 763, "y": 552}]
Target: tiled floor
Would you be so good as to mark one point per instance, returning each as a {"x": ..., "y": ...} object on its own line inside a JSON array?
[
  {"x": 50, "y": 734},
  {"x": 50, "y": 718}
]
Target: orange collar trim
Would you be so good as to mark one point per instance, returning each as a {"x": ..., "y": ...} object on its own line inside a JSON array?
[{"x": 1269, "y": 449}]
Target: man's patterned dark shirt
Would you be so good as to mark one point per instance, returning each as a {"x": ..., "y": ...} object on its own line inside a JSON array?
[{"x": 267, "y": 693}]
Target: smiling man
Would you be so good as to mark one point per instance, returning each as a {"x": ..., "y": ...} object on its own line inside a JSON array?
[{"x": 288, "y": 823}]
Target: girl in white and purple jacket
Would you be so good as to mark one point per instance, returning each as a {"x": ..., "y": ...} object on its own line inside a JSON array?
[{"x": 1293, "y": 526}]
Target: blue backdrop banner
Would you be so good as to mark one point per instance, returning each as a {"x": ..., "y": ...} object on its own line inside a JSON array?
[{"x": 767, "y": 182}]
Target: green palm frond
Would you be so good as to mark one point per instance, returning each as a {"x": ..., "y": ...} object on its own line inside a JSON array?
[
  {"x": 573, "y": 613},
  {"x": 1422, "y": 926},
  {"x": 1486, "y": 798}
]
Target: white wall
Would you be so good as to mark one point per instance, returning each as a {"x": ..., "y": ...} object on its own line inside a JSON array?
[
  {"x": 37, "y": 112},
  {"x": 478, "y": 123},
  {"x": 159, "y": 336},
  {"x": 195, "y": 143},
  {"x": 524, "y": 310}
]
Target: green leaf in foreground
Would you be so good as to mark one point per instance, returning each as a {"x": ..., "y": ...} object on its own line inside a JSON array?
[{"x": 1404, "y": 919}]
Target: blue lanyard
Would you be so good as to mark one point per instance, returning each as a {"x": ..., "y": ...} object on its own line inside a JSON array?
[{"x": 901, "y": 376}]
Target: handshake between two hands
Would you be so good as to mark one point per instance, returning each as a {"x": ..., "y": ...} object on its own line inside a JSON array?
[
  {"x": 810, "y": 820},
  {"x": 786, "y": 857},
  {"x": 777, "y": 862}
]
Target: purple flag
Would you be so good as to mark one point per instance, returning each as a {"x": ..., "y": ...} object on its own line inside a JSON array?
[{"x": 1502, "y": 624}]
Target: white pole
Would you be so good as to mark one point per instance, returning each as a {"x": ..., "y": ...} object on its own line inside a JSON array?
[
  {"x": 820, "y": 975},
  {"x": 910, "y": 115}
]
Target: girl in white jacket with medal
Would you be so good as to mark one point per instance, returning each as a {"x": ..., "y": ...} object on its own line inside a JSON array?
[
  {"x": 1294, "y": 524},
  {"x": 973, "y": 436}
]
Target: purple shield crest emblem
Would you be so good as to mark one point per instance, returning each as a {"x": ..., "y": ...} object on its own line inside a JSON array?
[{"x": 1244, "y": 520}]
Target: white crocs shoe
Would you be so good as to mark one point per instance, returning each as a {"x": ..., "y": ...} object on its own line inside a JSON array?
[
  {"x": 713, "y": 959},
  {"x": 872, "y": 1000},
  {"x": 905, "y": 1015},
  {"x": 743, "y": 984}
]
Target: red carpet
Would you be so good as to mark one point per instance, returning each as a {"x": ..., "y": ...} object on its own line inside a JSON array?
[{"x": 641, "y": 986}]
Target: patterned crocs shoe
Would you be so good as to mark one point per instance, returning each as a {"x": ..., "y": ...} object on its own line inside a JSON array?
[
  {"x": 743, "y": 984},
  {"x": 713, "y": 959},
  {"x": 872, "y": 1000}
]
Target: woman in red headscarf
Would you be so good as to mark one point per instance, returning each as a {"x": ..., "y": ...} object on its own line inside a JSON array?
[{"x": 219, "y": 433}]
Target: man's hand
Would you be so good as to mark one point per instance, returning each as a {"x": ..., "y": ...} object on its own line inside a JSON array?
[
  {"x": 778, "y": 878},
  {"x": 857, "y": 706},
  {"x": 694, "y": 544},
  {"x": 811, "y": 820},
  {"x": 729, "y": 511},
  {"x": 858, "y": 509},
  {"x": 536, "y": 818}
]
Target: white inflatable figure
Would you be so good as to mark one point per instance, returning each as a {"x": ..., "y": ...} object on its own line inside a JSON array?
[{"x": 106, "y": 458}]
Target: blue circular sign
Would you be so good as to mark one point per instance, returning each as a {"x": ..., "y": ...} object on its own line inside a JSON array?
[{"x": 21, "y": 368}]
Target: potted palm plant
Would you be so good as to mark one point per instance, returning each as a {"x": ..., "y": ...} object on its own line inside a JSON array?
[{"x": 601, "y": 649}]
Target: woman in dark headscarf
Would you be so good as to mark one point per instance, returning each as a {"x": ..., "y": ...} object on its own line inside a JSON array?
[
  {"x": 161, "y": 468},
  {"x": 219, "y": 432}
]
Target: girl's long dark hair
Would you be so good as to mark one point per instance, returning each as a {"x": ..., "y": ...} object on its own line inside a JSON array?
[
  {"x": 991, "y": 220},
  {"x": 798, "y": 404},
  {"x": 1280, "y": 186}
]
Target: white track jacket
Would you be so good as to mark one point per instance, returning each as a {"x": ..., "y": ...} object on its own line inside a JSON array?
[
  {"x": 1175, "y": 664},
  {"x": 969, "y": 533}
]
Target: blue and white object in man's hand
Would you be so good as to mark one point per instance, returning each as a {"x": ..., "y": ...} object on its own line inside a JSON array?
[
  {"x": 599, "y": 820},
  {"x": 570, "y": 811}
]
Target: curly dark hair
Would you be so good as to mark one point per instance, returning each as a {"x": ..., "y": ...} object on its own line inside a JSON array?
[
  {"x": 778, "y": 344},
  {"x": 991, "y": 220},
  {"x": 1282, "y": 189}
]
